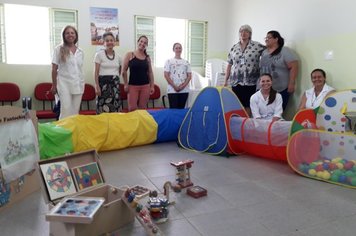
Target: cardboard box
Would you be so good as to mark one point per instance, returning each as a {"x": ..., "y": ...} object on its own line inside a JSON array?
[
  {"x": 22, "y": 187},
  {"x": 111, "y": 216}
]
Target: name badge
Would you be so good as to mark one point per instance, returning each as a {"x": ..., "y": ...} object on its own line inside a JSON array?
[{"x": 242, "y": 60}]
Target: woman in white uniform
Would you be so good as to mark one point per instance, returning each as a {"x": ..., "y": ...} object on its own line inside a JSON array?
[
  {"x": 266, "y": 103},
  {"x": 313, "y": 97},
  {"x": 67, "y": 73}
]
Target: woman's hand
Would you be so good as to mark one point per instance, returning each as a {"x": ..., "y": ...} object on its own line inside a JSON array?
[
  {"x": 126, "y": 88},
  {"x": 291, "y": 87},
  {"x": 97, "y": 90},
  {"x": 152, "y": 90},
  {"x": 53, "y": 89}
]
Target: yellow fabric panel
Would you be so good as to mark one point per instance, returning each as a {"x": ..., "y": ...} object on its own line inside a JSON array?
[
  {"x": 130, "y": 129},
  {"x": 110, "y": 131}
]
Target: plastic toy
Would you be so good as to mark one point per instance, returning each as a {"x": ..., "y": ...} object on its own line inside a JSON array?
[
  {"x": 183, "y": 172},
  {"x": 325, "y": 150},
  {"x": 158, "y": 207}
]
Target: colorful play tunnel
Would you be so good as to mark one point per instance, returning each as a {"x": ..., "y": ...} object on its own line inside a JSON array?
[
  {"x": 109, "y": 131},
  {"x": 261, "y": 138}
]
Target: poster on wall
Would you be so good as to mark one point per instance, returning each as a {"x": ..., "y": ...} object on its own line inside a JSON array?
[
  {"x": 18, "y": 148},
  {"x": 103, "y": 20}
]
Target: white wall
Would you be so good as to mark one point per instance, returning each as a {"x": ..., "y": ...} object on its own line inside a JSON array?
[{"x": 208, "y": 10}]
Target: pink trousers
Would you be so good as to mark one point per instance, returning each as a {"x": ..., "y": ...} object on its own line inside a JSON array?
[{"x": 138, "y": 96}]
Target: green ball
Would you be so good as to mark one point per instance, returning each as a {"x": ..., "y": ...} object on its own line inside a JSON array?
[
  {"x": 349, "y": 173},
  {"x": 353, "y": 181},
  {"x": 334, "y": 177}
]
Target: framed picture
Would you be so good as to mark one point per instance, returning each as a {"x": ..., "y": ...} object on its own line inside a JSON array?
[
  {"x": 58, "y": 179},
  {"x": 87, "y": 175}
]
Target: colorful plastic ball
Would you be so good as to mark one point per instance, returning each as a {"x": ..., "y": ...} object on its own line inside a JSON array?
[
  {"x": 325, "y": 175},
  {"x": 320, "y": 174},
  {"x": 334, "y": 177},
  {"x": 312, "y": 172},
  {"x": 319, "y": 167},
  {"x": 336, "y": 160},
  {"x": 312, "y": 165},
  {"x": 342, "y": 179},
  {"x": 349, "y": 173},
  {"x": 353, "y": 181},
  {"x": 348, "y": 165},
  {"x": 337, "y": 172},
  {"x": 326, "y": 166},
  {"x": 339, "y": 165},
  {"x": 332, "y": 166}
]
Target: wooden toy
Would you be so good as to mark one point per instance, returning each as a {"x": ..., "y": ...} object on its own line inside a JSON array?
[
  {"x": 183, "y": 172},
  {"x": 110, "y": 216},
  {"x": 141, "y": 212},
  {"x": 76, "y": 210},
  {"x": 167, "y": 185},
  {"x": 197, "y": 192}
]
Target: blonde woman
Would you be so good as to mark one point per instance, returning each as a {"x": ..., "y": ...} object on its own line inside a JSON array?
[{"x": 67, "y": 73}]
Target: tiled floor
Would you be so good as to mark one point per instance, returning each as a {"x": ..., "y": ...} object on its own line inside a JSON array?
[{"x": 247, "y": 196}]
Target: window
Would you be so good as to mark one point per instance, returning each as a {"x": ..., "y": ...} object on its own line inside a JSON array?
[
  {"x": 59, "y": 19},
  {"x": 2, "y": 38},
  {"x": 163, "y": 32},
  {"x": 31, "y": 41}
]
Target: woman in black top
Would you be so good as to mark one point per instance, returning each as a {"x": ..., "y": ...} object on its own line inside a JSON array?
[{"x": 140, "y": 84}]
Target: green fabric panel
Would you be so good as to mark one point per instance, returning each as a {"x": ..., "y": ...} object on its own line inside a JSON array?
[{"x": 54, "y": 140}]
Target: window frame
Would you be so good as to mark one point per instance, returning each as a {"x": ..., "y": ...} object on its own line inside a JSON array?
[
  {"x": 56, "y": 26},
  {"x": 2, "y": 35},
  {"x": 55, "y": 31},
  {"x": 194, "y": 36},
  {"x": 190, "y": 36},
  {"x": 148, "y": 29}
]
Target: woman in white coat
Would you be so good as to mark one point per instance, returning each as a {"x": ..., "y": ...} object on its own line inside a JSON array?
[{"x": 266, "y": 103}]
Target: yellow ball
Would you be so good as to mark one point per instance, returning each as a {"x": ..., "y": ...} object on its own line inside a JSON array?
[
  {"x": 319, "y": 174},
  {"x": 325, "y": 175},
  {"x": 312, "y": 172},
  {"x": 339, "y": 165},
  {"x": 336, "y": 160}
]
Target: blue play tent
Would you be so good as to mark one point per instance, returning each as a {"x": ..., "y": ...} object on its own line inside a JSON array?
[{"x": 205, "y": 127}]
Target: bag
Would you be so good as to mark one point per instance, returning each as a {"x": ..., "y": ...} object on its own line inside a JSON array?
[{"x": 57, "y": 106}]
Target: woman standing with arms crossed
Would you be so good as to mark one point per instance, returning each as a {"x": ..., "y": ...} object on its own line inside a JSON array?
[
  {"x": 178, "y": 74},
  {"x": 107, "y": 72},
  {"x": 243, "y": 66},
  {"x": 140, "y": 84},
  {"x": 67, "y": 73},
  {"x": 281, "y": 63}
]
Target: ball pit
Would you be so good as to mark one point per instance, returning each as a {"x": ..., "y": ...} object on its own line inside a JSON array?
[{"x": 336, "y": 170}]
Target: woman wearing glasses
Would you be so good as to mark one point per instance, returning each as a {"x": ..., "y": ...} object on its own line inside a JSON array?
[
  {"x": 281, "y": 63},
  {"x": 243, "y": 66}
]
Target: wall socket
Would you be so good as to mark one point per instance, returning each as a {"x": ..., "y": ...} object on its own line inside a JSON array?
[{"x": 329, "y": 55}]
